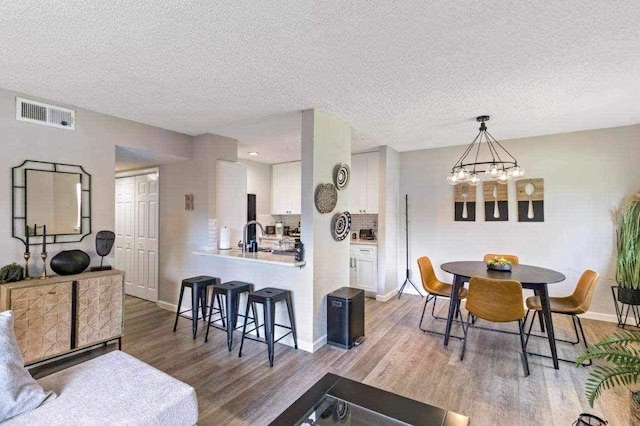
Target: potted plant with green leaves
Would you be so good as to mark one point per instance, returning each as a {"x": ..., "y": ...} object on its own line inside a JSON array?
[
  {"x": 622, "y": 352},
  {"x": 627, "y": 290}
]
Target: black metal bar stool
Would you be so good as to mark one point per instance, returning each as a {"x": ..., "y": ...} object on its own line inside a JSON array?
[
  {"x": 198, "y": 286},
  {"x": 231, "y": 291},
  {"x": 268, "y": 297}
]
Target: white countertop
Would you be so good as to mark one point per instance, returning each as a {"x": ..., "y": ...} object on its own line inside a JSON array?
[
  {"x": 369, "y": 242},
  {"x": 260, "y": 257}
]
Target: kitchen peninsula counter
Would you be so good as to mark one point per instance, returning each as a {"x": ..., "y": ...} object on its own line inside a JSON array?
[{"x": 259, "y": 257}]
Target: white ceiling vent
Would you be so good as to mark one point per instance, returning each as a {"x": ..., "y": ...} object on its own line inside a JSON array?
[{"x": 45, "y": 114}]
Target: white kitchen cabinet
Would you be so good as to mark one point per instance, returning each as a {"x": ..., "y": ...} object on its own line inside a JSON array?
[
  {"x": 363, "y": 186},
  {"x": 286, "y": 188},
  {"x": 363, "y": 264}
]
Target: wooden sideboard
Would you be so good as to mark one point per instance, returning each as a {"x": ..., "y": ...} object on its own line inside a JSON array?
[{"x": 62, "y": 314}]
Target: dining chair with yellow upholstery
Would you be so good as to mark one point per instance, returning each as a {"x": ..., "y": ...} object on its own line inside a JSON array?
[
  {"x": 575, "y": 304},
  {"x": 435, "y": 288},
  {"x": 496, "y": 301},
  {"x": 510, "y": 257}
]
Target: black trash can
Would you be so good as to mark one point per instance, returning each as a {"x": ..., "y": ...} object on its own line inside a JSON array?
[{"x": 345, "y": 317}]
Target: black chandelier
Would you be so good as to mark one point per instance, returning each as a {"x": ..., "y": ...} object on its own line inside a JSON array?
[{"x": 501, "y": 167}]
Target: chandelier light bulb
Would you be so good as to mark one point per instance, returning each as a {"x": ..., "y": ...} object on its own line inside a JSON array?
[
  {"x": 452, "y": 179},
  {"x": 462, "y": 174},
  {"x": 503, "y": 177},
  {"x": 516, "y": 172},
  {"x": 493, "y": 171},
  {"x": 473, "y": 179}
]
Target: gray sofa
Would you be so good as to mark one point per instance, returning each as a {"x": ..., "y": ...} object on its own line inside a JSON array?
[{"x": 116, "y": 389}]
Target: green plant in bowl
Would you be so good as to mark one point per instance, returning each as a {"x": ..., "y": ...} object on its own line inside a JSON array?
[
  {"x": 498, "y": 261},
  {"x": 499, "y": 264}
]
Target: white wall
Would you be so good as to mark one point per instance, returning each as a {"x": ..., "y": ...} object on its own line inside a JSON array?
[
  {"x": 389, "y": 183},
  {"x": 259, "y": 183},
  {"x": 184, "y": 231},
  {"x": 91, "y": 145},
  {"x": 231, "y": 192},
  {"x": 326, "y": 141},
  {"x": 586, "y": 176}
]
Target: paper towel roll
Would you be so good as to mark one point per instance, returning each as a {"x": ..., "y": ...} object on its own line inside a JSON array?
[{"x": 225, "y": 238}]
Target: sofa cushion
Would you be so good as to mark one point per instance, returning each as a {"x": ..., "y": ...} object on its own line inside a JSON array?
[
  {"x": 19, "y": 392},
  {"x": 115, "y": 388}
]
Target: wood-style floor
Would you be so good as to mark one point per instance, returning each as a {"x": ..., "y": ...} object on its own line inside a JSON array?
[{"x": 489, "y": 386}]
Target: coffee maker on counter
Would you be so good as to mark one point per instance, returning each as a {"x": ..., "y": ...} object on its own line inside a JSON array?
[{"x": 367, "y": 234}]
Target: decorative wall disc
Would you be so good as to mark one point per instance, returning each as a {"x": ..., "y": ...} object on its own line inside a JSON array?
[
  {"x": 341, "y": 176},
  {"x": 326, "y": 197},
  {"x": 341, "y": 225}
]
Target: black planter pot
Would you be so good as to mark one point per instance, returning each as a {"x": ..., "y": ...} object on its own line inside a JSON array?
[{"x": 628, "y": 296}]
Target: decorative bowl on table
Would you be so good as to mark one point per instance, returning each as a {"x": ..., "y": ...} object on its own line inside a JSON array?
[{"x": 499, "y": 264}]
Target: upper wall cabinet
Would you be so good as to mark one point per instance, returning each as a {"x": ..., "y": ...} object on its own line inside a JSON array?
[
  {"x": 364, "y": 187},
  {"x": 286, "y": 188}
]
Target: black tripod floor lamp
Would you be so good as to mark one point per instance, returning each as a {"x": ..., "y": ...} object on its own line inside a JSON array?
[{"x": 407, "y": 280}]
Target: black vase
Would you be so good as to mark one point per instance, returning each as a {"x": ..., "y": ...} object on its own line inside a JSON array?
[
  {"x": 70, "y": 262},
  {"x": 628, "y": 296}
]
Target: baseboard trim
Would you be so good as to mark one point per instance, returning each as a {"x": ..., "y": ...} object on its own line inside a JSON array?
[
  {"x": 319, "y": 343},
  {"x": 312, "y": 347},
  {"x": 388, "y": 296},
  {"x": 600, "y": 317},
  {"x": 168, "y": 306}
]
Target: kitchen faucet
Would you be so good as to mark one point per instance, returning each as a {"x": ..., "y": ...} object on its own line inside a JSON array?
[{"x": 245, "y": 233}]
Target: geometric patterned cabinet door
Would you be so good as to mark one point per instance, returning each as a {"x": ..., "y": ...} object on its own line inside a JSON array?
[
  {"x": 99, "y": 309},
  {"x": 62, "y": 314},
  {"x": 42, "y": 320}
]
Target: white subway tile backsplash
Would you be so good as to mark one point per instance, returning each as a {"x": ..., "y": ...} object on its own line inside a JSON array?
[
  {"x": 358, "y": 221},
  {"x": 364, "y": 221},
  {"x": 290, "y": 220}
]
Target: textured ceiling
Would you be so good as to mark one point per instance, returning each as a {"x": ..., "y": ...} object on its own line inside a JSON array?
[{"x": 409, "y": 74}]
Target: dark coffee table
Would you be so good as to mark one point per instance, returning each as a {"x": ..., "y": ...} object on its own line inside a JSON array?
[{"x": 337, "y": 400}]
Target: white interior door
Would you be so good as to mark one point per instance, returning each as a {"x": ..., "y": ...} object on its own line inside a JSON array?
[
  {"x": 146, "y": 237},
  {"x": 125, "y": 222},
  {"x": 137, "y": 230}
]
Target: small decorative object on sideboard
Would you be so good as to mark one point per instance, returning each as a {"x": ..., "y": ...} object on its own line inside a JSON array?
[
  {"x": 104, "y": 244},
  {"x": 70, "y": 262},
  {"x": 43, "y": 255},
  {"x": 11, "y": 273},
  {"x": 499, "y": 264},
  {"x": 27, "y": 253}
]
